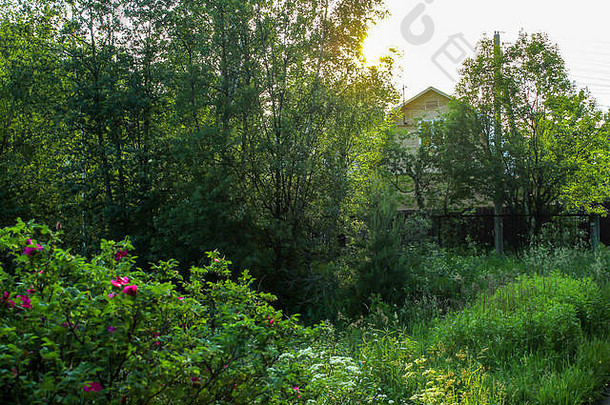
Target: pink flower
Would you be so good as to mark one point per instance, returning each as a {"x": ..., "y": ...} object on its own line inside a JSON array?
[
  {"x": 30, "y": 291},
  {"x": 111, "y": 329},
  {"x": 120, "y": 281},
  {"x": 111, "y": 295},
  {"x": 41, "y": 271},
  {"x": 195, "y": 380},
  {"x": 130, "y": 289},
  {"x": 120, "y": 254},
  {"x": 92, "y": 387},
  {"x": 6, "y": 298},
  {"x": 181, "y": 298},
  {"x": 25, "y": 301},
  {"x": 29, "y": 250}
]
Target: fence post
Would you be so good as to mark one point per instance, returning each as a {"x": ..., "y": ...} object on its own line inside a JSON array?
[
  {"x": 498, "y": 229},
  {"x": 595, "y": 231}
]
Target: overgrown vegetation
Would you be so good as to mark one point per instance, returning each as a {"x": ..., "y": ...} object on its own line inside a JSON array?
[
  {"x": 255, "y": 129},
  {"x": 504, "y": 330}
]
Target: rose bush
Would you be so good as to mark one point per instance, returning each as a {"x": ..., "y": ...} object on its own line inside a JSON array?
[{"x": 101, "y": 331}]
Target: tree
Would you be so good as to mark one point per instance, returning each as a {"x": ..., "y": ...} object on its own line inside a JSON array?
[
  {"x": 30, "y": 90},
  {"x": 522, "y": 135},
  {"x": 191, "y": 125}
]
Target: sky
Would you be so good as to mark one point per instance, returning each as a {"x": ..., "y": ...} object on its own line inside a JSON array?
[{"x": 434, "y": 36}]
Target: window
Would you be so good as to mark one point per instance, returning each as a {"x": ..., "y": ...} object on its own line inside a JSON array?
[{"x": 432, "y": 105}]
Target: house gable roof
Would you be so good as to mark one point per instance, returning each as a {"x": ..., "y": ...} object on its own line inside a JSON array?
[{"x": 427, "y": 90}]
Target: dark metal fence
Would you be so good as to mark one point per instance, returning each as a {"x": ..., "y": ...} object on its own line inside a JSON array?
[{"x": 453, "y": 230}]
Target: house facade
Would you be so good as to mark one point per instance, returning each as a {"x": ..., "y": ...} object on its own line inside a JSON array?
[{"x": 428, "y": 105}]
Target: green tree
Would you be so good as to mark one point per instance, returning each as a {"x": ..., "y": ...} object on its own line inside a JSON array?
[
  {"x": 31, "y": 155},
  {"x": 190, "y": 125},
  {"x": 522, "y": 135}
]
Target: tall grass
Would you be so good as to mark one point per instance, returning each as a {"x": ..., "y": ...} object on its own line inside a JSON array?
[{"x": 487, "y": 329}]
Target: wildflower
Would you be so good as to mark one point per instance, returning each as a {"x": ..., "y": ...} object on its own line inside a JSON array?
[
  {"x": 297, "y": 390},
  {"x": 92, "y": 387},
  {"x": 29, "y": 250},
  {"x": 120, "y": 254},
  {"x": 130, "y": 289},
  {"x": 111, "y": 295},
  {"x": 6, "y": 299},
  {"x": 195, "y": 380},
  {"x": 111, "y": 329},
  {"x": 181, "y": 298},
  {"x": 120, "y": 281},
  {"x": 25, "y": 301},
  {"x": 30, "y": 291}
]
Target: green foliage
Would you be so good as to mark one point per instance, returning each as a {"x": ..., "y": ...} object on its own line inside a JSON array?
[
  {"x": 384, "y": 268},
  {"x": 250, "y": 127},
  {"x": 519, "y": 134},
  {"x": 102, "y": 331},
  {"x": 469, "y": 384},
  {"x": 542, "y": 337},
  {"x": 549, "y": 314}
]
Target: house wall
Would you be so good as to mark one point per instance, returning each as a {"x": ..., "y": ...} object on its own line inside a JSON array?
[{"x": 425, "y": 107}]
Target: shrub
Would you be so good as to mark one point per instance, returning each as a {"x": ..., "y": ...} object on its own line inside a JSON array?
[
  {"x": 536, "y": 313},
  {"x": 99, "y": 331}
]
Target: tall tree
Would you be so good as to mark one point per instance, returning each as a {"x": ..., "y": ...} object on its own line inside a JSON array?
[
  {"x": 31, "y": 153},
  {"x": 522, "y": 134},
  {"x": 249, "y": 126}
]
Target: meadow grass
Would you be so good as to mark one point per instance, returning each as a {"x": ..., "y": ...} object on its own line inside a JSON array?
[{"x": 484, "y": 329}]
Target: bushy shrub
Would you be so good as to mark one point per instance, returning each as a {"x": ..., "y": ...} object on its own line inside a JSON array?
[
  {"x": 100, "y": 331},
  {"x": 536, "y": 313}
]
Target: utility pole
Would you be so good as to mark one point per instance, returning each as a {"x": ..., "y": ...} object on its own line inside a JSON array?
[{"x": 498, "y": 223}]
